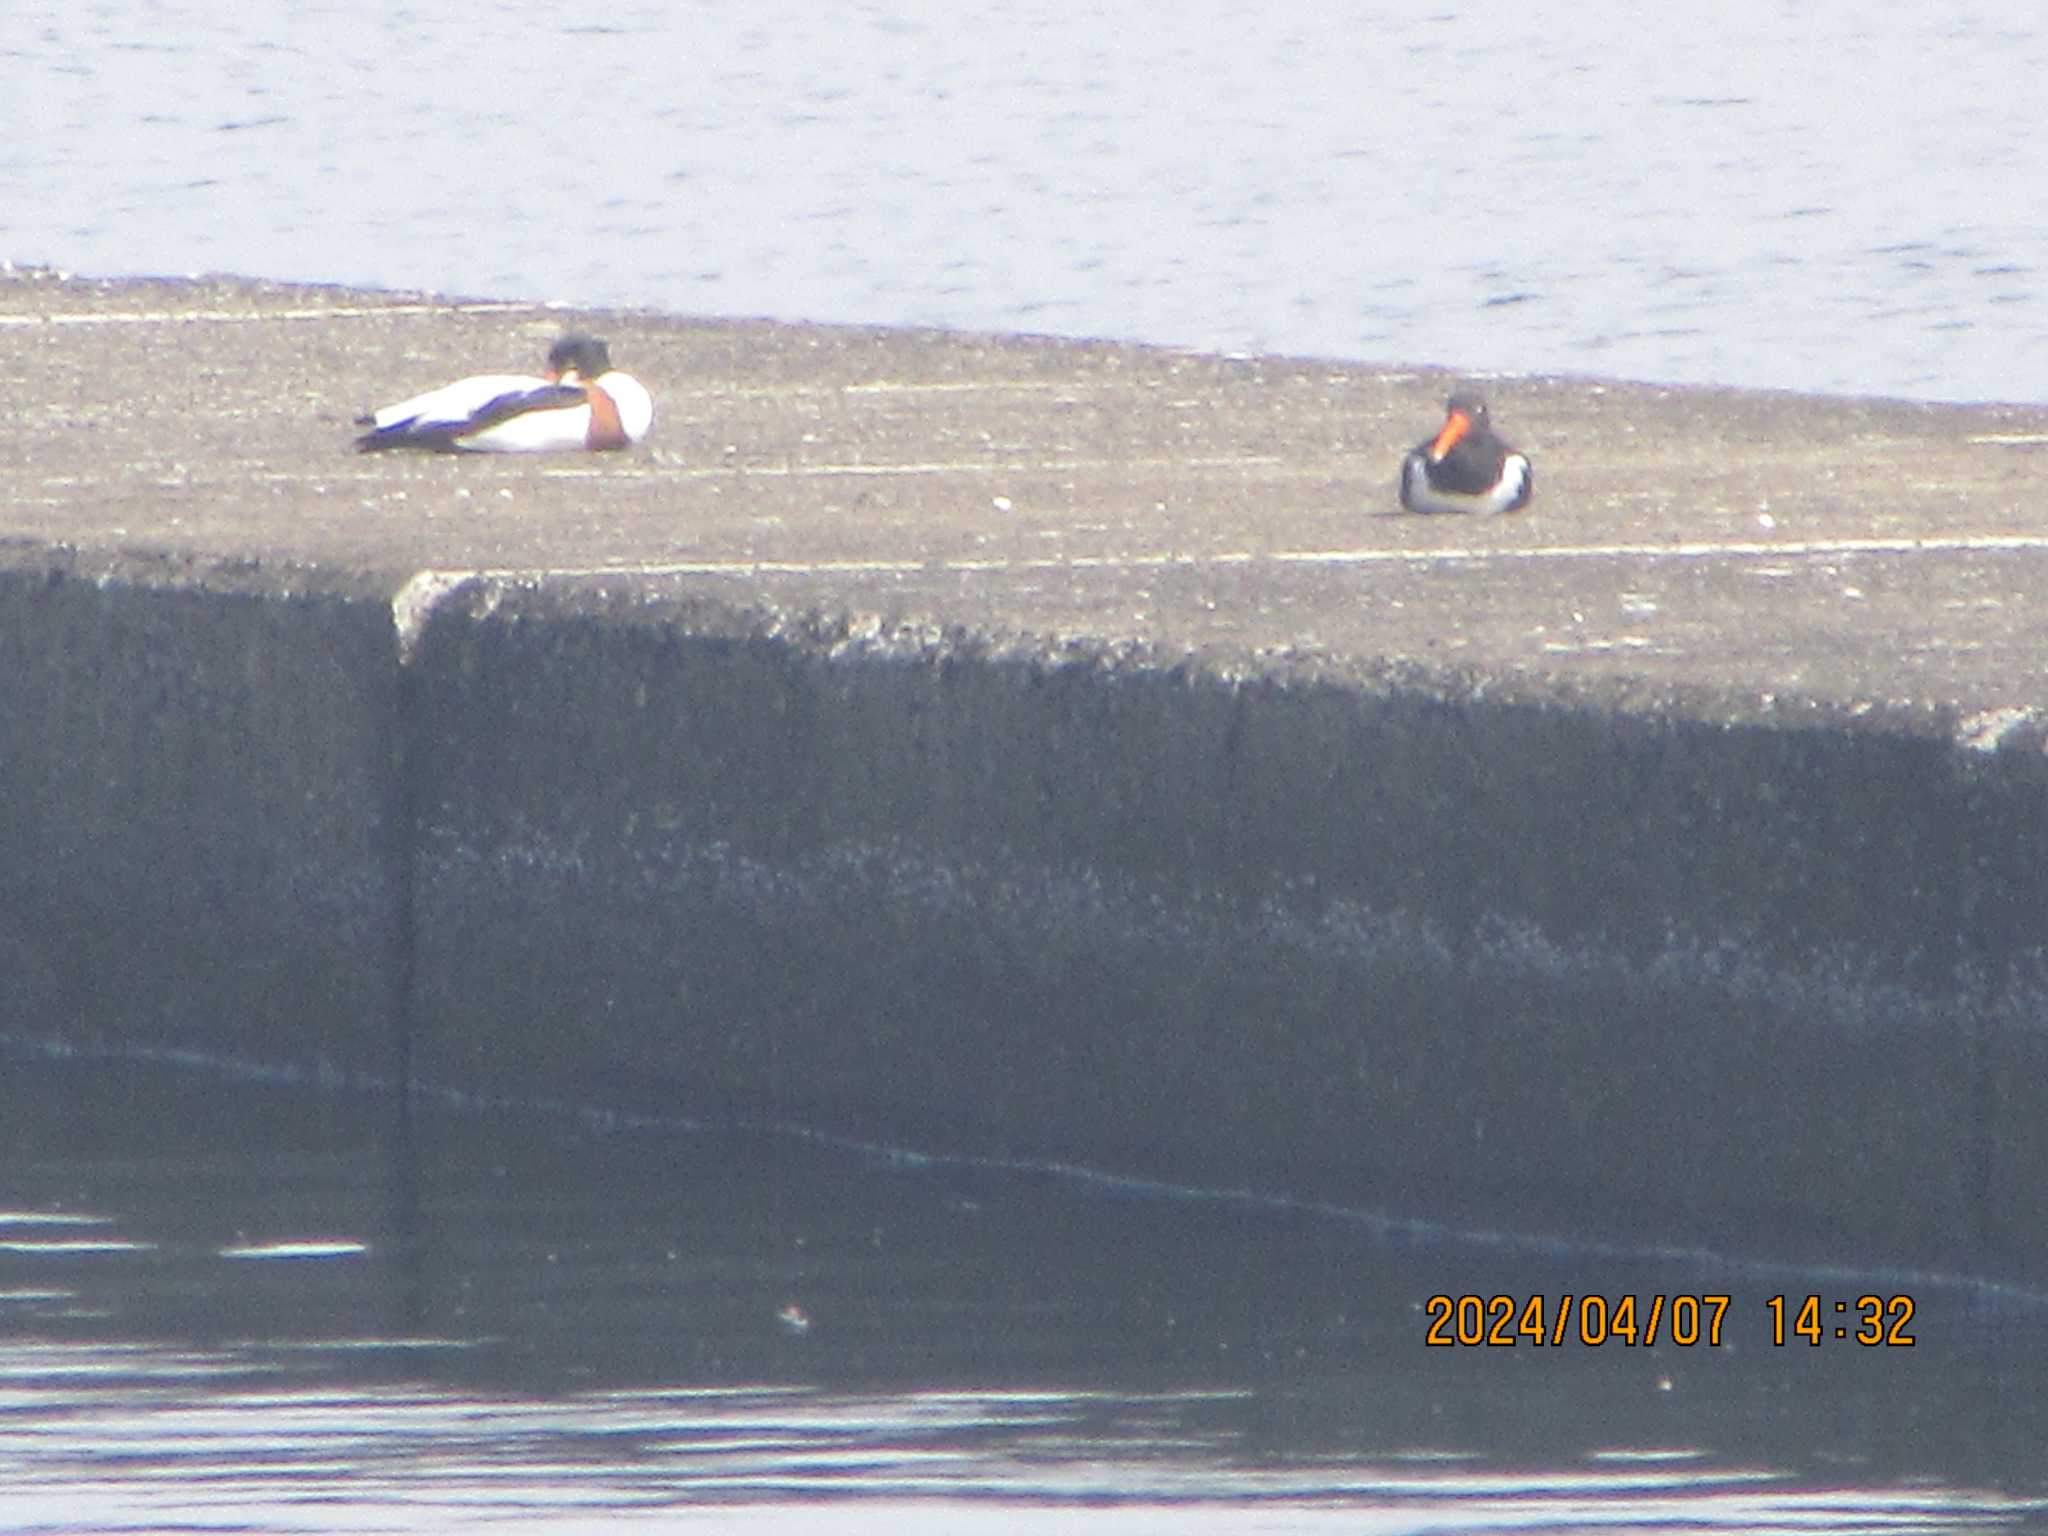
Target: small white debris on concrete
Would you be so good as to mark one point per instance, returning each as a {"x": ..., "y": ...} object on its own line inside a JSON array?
[{"x": 1987, "y": 730}]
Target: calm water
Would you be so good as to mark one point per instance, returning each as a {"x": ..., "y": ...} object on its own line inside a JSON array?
[
  {"x": 1816, "y": 194},
  {"x": 227, "y": 1304}
]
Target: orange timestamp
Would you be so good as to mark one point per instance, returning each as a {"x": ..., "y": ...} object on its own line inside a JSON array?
[
  {"x": 1661, "y": 1319},
  {"x": 1565, "y": 1318},
  {"x": 1866, "y": 1319}
]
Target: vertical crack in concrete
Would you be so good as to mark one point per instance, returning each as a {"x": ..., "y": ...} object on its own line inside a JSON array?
[
  {"x": 402, "y": 853},
  {"x": 413, "y": 607},
  {"x": 402, "y": 846}
]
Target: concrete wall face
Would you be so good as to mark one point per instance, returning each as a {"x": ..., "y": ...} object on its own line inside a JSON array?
[
  {"x": 1555, "y": 967},
  {"x": 1776, "y": 988},
  {"x": 196, "y": 784}
]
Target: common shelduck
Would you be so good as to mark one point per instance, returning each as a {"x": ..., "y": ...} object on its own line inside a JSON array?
[
  {"x": 1465, "y": 468},
  {"x": 583, "y": 402}
]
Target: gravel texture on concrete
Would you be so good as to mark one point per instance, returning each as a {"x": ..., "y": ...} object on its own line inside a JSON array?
[{"x": 1751, "y": 552}]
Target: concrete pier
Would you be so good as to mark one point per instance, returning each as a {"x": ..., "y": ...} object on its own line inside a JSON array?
[{"x": 1057, "y": 751}]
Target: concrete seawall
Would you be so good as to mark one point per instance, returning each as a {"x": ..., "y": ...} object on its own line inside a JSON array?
[
  {"x": 197, "y": 810},
  {"x": 1632, "y": 975},
  {"x": 1031, "y": 750}
]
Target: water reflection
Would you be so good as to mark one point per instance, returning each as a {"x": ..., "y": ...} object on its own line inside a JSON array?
[{"x": 227, "y": 1301}]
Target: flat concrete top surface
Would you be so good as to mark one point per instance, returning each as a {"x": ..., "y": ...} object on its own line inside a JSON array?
[{"x": 1862, "y": 556}]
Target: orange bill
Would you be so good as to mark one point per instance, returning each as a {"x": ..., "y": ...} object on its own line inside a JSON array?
[{"x": 1456, "y": 425}]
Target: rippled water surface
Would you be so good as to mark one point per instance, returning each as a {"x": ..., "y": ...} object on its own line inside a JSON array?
[
  {"x": 232, "y": 1305},
  {"x": 1802, "y": 193}
]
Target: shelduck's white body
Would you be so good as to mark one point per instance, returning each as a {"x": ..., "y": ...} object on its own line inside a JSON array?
[{"x": 582, "y": 403}]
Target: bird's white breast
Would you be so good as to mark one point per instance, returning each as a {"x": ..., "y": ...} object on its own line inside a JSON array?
[
  {"x": 1419, "y": 495},
  {"x": 636, "y": 405}
]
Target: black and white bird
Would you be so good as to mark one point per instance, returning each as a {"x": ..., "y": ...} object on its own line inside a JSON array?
[
  {"x": 1465, "y": 468},
  {"x": 582, "y": 403}
]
